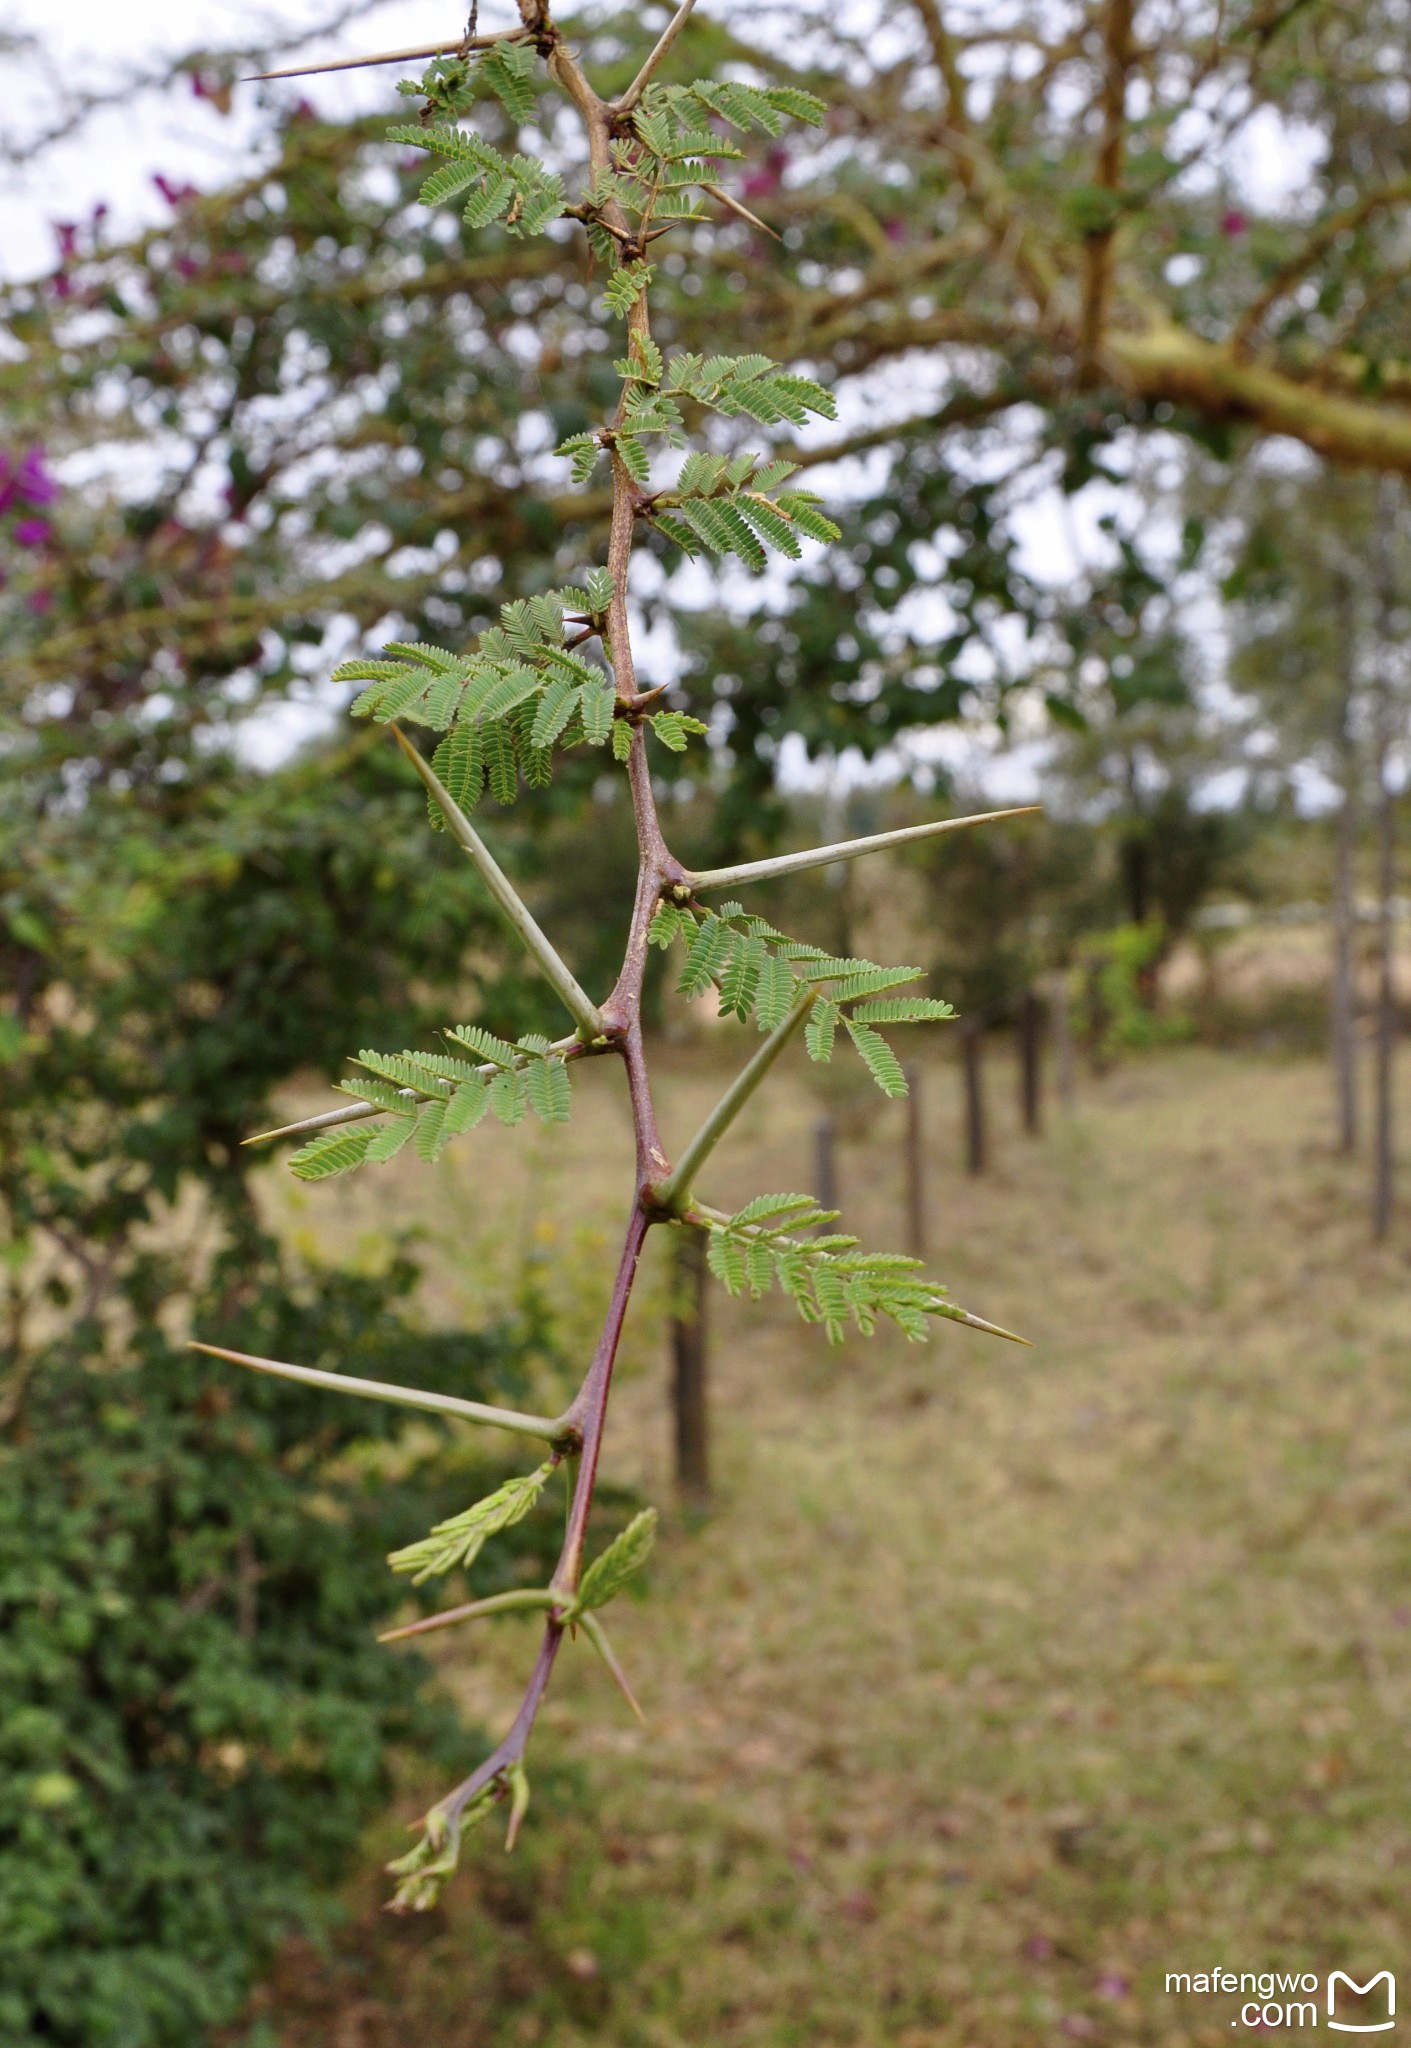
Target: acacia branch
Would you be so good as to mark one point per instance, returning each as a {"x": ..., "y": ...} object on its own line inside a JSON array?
[
  {"x": 1319, "y": 242},
  {"x": 1117, "y": 57}
]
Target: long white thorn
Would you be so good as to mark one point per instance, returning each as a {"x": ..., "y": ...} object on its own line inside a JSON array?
[
  {"x": 673, "y": 1191},
  {"x": 517, "y": 915},
  {"x": 846, "y": 849},
  {"x": 664, "y": 41},
  {"x": 450, "y": 48},
  {"x": 327, "y": 1120},
  {"x": 732, "y": 205},
  {"x": 597, "y": 1636},
  {"x": 538, "y": 1426}
]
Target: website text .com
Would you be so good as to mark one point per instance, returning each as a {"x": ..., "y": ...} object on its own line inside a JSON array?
[{"x": 1280, "y": 1998}]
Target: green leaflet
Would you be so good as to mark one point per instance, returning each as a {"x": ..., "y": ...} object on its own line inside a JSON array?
[
  {"x": 820, "y": 1031},
  {"x": 387, "y": 1140},
  {"x": 877, "y": 1056},
  {"x": 380, "y": 1095},
  {"x": 666, "y": 925},
  {"x": 625, "y": 288},
  {"x": 672, "y": 728},
  {"x": 507, "y": 1098},
  {"x": 759, "y": 972},
  {"x": 498, "y": 1051},
  {"x": 626, "y": 1554},
  {"x": 520, "y": 190},
  {"x": 331, "y": 1152},
  {"x": 904, "y": 1010},
  {"x": 509, "y": 71},
  {"x": 827, "y": 1278},
  {"x": 460, "y": 1540},
  {"x": 547, "y": 1086}
]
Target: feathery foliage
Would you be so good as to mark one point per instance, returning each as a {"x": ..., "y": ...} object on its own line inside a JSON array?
[
  {"x": 828, "y": 1280},
  {"x": 760, "y": 972},
  {"x": 460, "y": 1539},
  {"x": 557, "y": 672}
]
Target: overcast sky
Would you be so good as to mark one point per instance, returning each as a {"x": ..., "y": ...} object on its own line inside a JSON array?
[{"x": 101, "y": 41}]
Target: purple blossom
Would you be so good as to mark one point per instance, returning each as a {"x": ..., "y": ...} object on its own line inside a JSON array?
[
  {"x": 32, "y": 533},
  {"x": 27, "y": 479},
  {"x": 33, "y": 480},
  {"x": 1233, "y": 223},
  {"x": 768, "y": 177},
  {"x": 40, "y": 600},
  {"x": 175, "y": 195}
]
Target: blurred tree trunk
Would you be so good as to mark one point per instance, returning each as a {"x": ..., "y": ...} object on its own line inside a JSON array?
[
  {"x": 1382, "y": 1115},
  {"x": 1344, "y": 904},
  {"x": 688, "y": 1358}
]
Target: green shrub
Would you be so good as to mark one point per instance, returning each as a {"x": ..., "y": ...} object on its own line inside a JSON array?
[{"x": 196, "y": 1720}]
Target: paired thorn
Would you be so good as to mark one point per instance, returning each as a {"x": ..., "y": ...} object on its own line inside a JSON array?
[
  {"x": 597, "y": 1636},
  {"x": 541, "y": 1427},
  {"x": 723, "y": 198},
  {"x": 848, "y": 849},
  {"x": 521, "y": 1601},
  {"x": 452, "y": 47}
]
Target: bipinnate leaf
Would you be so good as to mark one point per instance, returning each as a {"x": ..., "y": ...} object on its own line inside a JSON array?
[
  {"x": 625, "y": 1555},
  {"x": 460, "y": 1540},
  {"x": 785, "y": 1239}
]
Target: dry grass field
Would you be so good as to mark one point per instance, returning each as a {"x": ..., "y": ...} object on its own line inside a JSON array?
[{"x": 997, "y": 1683}]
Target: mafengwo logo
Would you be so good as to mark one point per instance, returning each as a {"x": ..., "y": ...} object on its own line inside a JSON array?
[
  {"x": 1276, "y": 1999},
  {"x": 1340, "y": 1983}
]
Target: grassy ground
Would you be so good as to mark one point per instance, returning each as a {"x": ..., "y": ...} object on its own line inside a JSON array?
[{"x": 998, "y": 1683}]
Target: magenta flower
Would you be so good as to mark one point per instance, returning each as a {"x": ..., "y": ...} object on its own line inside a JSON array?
[
  {"x": 27, "y": 479},
  {"x": 32, "y": 533},
  {"x": 33, "y": 480},
  {"x": 175, "y": 195}
]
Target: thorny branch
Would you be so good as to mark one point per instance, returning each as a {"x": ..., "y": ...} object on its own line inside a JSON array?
[{"x": 661, "y": 1194}]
